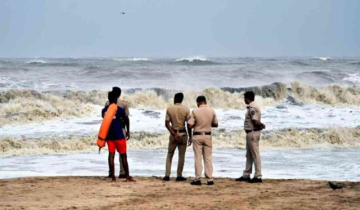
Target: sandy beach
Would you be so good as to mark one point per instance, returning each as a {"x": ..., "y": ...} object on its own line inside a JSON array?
[{"x": 153, "y": 193}]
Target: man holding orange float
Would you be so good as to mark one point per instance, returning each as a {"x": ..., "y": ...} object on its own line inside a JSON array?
[
  {"x": 115, "y": 137},
  {"x": 125, "y": 124}
]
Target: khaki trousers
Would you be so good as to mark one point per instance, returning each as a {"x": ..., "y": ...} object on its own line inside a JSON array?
[
  {"x": 253, "y": 154},
  {"x": 171, "y": 150},
  {"x": 203, "y": 149}
]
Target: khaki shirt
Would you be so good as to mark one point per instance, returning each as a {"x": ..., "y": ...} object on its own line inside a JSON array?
[
  {"x": 203, "y": 118},
  {"x": 122, "y": 104},
  {"x": 177, "y": 115},
  {"x": 253, "y": 113}
]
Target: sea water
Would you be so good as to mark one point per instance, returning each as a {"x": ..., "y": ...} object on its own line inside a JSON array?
[{"x": 311, "y": 104}]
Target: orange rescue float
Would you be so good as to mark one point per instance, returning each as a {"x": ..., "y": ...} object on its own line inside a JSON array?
[{"x": 105, "y": 125}]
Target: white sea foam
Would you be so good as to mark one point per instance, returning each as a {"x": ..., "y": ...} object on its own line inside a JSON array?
[
  {"x": 36, "y": 61},
  {"x": 323, "y": 58},
  {"x": 132, "y": 59},
  {"x": 193, "y": 59},
  {"x": 355, "y": 78},
  {"x": 25, "y": 106}
]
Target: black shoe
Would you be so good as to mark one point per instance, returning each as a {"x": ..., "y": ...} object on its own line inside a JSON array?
[
  {"x": 243, "y": 179},
  {"x": 122, "y": 176},
  {"x": 195, "y": 182},
  {"x": 166, "y": 178},
  {"x": 180, "y": 179},
  {"x": 256, "y": 180},
  {"x": 210, "y": 183}
]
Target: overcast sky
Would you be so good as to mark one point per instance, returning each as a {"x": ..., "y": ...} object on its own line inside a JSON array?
[{"x": 172, "y": 28}]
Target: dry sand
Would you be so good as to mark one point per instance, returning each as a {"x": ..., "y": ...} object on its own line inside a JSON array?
[{"x": 153, "y": 193}]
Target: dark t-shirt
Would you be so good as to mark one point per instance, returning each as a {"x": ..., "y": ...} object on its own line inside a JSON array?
[{"x": 116, "y": 127}]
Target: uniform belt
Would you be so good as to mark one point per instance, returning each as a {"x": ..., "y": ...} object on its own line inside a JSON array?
[
  {"x": 201, "y": 133},
  {"x": 180, "y": 131},
  {"x": 249, "y": 131}
]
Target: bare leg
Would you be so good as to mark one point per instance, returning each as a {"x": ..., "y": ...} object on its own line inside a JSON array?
[
  {"x": 122, "y": 170},
  {"x": 109, "y": 165},
  {"x": 112, "y": 166},
  {"x": 126, "y": 167}
]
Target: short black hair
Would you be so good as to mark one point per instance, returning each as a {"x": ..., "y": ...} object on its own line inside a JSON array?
[
  {"x": 201, "y": 99},
  {"x": 179, "y": 97},
  {"x": 111, "y": 97},
  {"x": 116, "y": 91},
  {"x": 250, "y": 95}
]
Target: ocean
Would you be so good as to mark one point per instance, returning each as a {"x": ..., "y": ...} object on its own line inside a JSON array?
[{"x": 50, "y": 113}]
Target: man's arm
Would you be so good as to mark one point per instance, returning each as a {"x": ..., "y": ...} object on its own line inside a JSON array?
[
  {"x": 188, "y": 116},
  {"x": 189, "y": 130},
  {"x": 190, "y": 126},
  {"x": 215, "y": 122},
  {"x": 127, "y": 127},
  {"x": 102, "y": 113},
  {"x": 255, "y": 116},
  {"x": 191, "y": 122},
  {"x": 259, "y": 124},
  {"x": 172, "y": 132}
]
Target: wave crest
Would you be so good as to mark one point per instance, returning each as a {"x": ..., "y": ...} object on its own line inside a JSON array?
[
  {"x": 193, "y": 59},
  {"x": 23, "y": 106},
  {"x": 132, "y": 59},
  {"x": 196, "y": 60},
  {"x": 323, "y": 58},
  {"x": 36, "y": 61},
  {"x": 335, "y": 95}
]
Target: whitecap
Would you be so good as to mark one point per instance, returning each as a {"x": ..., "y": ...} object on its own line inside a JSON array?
[
  {"x": 36, "y": 61},
  {"x": 131, "y": 59},
  {"x": 323, "y": 58},
  {"x": 354, "y": 78},
  {"x": 193, "y": 59}
]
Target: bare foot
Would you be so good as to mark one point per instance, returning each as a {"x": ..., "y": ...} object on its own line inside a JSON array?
[
  {"x": 113, "y": 179},
  {"x": 129, "y": 180}
]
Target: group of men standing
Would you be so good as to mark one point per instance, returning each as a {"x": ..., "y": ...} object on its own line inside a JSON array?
[
  {"x": 185, "y": 129},
  {"x": 202, "y": 120}
]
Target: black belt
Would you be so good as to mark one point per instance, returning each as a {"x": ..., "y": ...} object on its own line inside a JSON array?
[
  {"x": 201, "y": 133},
  {"x": 249, "y": 131},
  {"x": 180, "y": 131}
]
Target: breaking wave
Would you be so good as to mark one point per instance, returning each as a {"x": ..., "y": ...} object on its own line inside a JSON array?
[
  {"x": 281, "y": 139},
  {"x": 354, "y": 78},
  {"x": 132, "y": 59},
  {"x": 36, "y": 61},
  {"x": 197, "y": 60},
  {"x": 335, "y": 95},
  {"x": 24, "y": 106},
  {"x": 323, "y": 58}
]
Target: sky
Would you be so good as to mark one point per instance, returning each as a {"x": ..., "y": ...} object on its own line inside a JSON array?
[{"x": 174, "y": 28}]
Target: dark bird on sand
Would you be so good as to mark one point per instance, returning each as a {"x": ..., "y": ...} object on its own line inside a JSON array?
[{"x": 334, "y": 186}]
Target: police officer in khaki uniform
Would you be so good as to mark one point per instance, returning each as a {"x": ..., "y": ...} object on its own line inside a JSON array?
[
  {"x": 126, "y": 128},
  {"x": 177, "y": 115},
  {"x": 202, "y": 120},
  {"x": 253, "y": 127}
]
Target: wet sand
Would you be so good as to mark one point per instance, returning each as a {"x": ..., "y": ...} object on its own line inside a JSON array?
[{"x": 153, "y": 193}]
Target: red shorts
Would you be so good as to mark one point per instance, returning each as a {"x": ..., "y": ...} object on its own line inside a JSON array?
[{"x": 120, "y": 146}]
